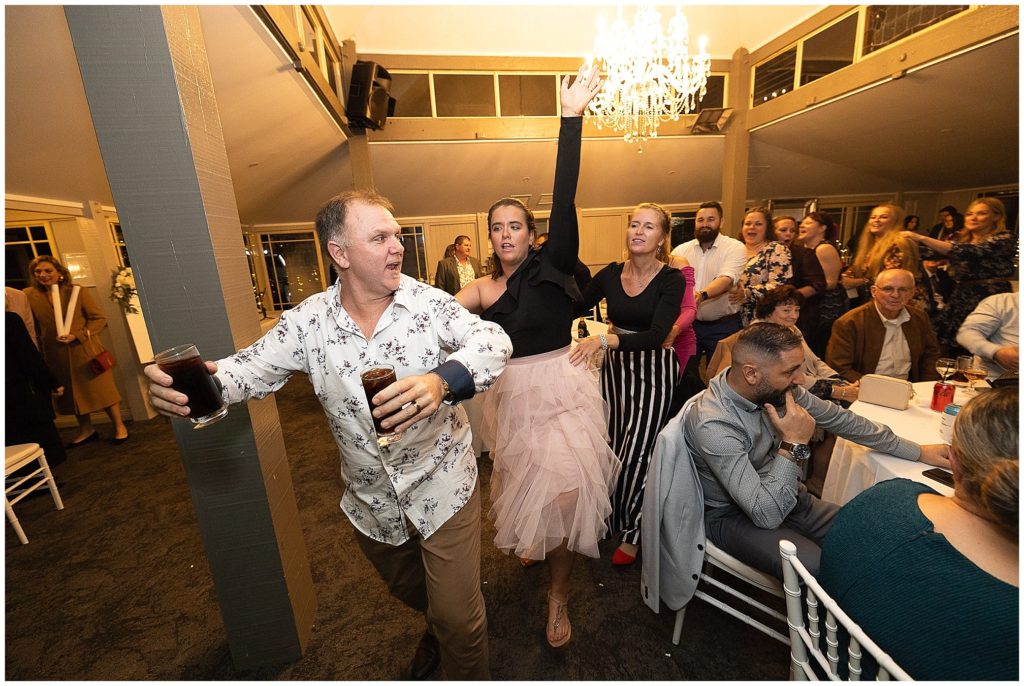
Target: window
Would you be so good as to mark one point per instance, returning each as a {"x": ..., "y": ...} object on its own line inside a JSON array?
[
  {"x": 684, "y": 227},
  {"x": 829, "y": 50},
  {"x": 887, "y": 24},
  {"x": 528, "y": 95},
  {"x": 23, "y": 243},
  {"x": 122, "y": 250},
  {"x": 464, "y": 95},
  {"x": 715, "y": 95},
  {"x": 412, "y": 94},
  {"x": 414, "y": 263},
  {"x": 293, "y": 267},
  {"x": 774, "y": 77}
]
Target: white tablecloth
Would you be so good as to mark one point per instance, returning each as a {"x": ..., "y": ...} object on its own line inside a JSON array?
[
  {"x": 854, "y": 468},
  {"x": 474, "y": 405}
]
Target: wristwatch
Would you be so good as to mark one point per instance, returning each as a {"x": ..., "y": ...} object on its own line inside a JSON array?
[
  {"x": 701, "y": 297},
  {"x": 447, "y": 397},
  {"x": 801, "y": 452}
]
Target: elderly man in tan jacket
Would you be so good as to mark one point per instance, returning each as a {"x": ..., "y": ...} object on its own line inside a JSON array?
[{"x": 885, "y": 336}]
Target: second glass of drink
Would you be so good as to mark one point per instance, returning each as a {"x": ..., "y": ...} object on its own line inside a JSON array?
[{"x": 375, "y": 379}]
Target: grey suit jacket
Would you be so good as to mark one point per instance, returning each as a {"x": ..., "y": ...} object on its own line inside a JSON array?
[
  {"x": 672, "y": 523},
  {"x": 447, "y": 276}
]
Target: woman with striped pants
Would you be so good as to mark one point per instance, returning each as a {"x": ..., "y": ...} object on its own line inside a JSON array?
[{"x": 639, "y": 377}]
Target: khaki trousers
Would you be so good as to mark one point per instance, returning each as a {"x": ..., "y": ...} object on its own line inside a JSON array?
[{"x": 440, "y": 576}]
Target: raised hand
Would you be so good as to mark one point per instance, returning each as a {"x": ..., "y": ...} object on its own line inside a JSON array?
[{"x": 576, "y": 97}]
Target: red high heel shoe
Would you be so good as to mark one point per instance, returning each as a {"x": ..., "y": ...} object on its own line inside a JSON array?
[{"x": 622, "y": 559}]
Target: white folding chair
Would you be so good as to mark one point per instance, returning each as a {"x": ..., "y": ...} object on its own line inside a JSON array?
[
  {"x": 804, "y": 641},
  {"x": 715, "y": 557},
  {"x": 19, "y": 456}
]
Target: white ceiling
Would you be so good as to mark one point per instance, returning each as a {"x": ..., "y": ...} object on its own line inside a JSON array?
[
  {"x": 538, "y": 29},
  {"x": 953, "y": 125}
]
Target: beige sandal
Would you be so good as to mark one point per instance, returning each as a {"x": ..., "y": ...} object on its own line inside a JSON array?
[{"x": 561, "y": 614}]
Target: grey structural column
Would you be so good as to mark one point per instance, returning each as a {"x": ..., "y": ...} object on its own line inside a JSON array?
[{"x": 148, "y": 83}]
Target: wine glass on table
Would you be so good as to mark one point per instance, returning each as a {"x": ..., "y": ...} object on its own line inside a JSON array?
[
  {"x": 963, "y": 363},
  {"x": 974, "y": 372},
  {"x": 945, "y": 366}
]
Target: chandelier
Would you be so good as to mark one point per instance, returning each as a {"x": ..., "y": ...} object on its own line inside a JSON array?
[{"x": 649, "y": 77}]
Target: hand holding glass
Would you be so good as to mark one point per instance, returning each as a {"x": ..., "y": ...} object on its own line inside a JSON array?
[
  {"x": 190, "y": 376},
  {"x": 375, "y": 379}
]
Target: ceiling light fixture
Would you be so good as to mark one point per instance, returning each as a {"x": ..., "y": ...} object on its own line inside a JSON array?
[{"x": 650, "y": 76}]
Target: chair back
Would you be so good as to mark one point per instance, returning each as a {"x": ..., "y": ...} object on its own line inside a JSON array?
[{"x": 805, "y": 640}]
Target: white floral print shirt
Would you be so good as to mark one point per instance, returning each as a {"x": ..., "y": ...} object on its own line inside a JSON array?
[{"x": 430, "y": 474}]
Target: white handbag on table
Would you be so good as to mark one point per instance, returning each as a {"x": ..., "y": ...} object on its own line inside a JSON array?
[{"x": 886, "y": 391}]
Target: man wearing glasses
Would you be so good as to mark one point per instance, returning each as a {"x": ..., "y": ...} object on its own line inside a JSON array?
[{"x": 885, "y": 335}]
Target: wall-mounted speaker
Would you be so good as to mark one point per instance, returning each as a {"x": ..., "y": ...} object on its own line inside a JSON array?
[{"x": 369, "y": 97}]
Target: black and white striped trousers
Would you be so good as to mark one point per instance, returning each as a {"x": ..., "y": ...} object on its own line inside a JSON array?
[{"x": 639, "y": 387}]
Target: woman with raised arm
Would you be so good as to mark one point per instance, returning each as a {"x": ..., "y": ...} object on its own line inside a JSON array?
[
  {"x": 553, "y": 470},
  {"x": 981, "y": 263},
  {"x": 640, "y": 378}
]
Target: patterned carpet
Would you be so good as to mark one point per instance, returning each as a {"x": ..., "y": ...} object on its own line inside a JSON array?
[{"x": 116, "y": 586}]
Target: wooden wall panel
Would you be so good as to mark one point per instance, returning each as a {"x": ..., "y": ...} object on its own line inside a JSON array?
[{"x": 602, "y": 237}]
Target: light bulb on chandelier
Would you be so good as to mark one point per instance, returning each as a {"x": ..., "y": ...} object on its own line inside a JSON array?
[{"x": 650, "y": 77}]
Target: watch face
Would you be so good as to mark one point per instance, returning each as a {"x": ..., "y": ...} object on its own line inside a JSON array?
[{"x": 801, "y": 452}]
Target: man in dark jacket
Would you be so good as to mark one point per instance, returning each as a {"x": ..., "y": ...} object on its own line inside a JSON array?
[{"x": 454, "y": 273}]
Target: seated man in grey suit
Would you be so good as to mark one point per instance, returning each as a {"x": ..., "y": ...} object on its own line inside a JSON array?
[
  {"x": 454, "y": 273},
  {"x": 885, "y": 336}
]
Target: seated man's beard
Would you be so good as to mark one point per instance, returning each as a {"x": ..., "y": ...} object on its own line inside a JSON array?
[{"x": 765, "y": 394}]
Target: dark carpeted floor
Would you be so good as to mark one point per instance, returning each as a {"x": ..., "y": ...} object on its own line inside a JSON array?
[{"x": 116, "y": 586}]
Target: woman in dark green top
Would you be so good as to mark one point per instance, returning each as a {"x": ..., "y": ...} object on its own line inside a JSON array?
[{"x": 933, "y": 580}]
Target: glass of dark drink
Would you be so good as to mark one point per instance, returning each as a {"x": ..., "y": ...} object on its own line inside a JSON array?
[
  {"x": 375, "y": 379},
  {"x": 190, "y": 376}
]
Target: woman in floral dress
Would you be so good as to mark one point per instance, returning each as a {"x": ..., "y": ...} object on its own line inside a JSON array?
[
  {"x": 981, "y": 263},
  {"x": 769, "y": 263}
]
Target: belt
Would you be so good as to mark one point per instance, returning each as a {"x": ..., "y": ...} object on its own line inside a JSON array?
[{"x": 728, "y": 317}]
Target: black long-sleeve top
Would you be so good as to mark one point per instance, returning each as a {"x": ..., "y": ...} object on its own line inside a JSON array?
[
  {"x": 536, "y": 309},
  {"x": 29, "y": 380},
  {"x": 650, "y": 314}
]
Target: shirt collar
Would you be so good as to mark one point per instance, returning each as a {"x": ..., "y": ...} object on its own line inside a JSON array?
[
  {"x": 902, "y": 318},
  {"x": 727, "y": 392}
]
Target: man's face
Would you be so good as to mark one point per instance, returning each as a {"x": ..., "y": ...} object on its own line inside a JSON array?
[
  {"x": 891, "y": 292},
  {"x": 374, "y": 257},
  {"x": 778, "y": 377},
  {"x": 463, "y": 249},
  {"x": 708, "y": 223}
]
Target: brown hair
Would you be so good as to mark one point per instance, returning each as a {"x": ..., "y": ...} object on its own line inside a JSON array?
[
  {"x": 825, "y": 219},
  {"x": 780, "y": 295},
  {"x": 986, "y": 447},
  {"x": 531, "y": 224},
  {"x": 64, "y": 276},
  {"x": 330, "y": 220},
  {"x": 769, "y": 228}
]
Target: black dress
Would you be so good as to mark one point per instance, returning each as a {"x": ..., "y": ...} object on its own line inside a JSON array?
[
  {"x": 639, "y": 380},
  {"x": 29, "y": 411},
  {"x": 553, "y": 470}
]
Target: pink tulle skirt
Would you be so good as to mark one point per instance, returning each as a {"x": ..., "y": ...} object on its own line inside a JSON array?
[{"x": 553, "y": 469}]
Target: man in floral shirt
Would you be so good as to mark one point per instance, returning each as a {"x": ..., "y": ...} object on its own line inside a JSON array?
[{"x": 416, "y": 504}]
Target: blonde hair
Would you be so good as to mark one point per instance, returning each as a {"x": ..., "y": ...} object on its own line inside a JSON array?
[
  {"x": 663, "y": 251},
  {"x": 872, "y": 248},
  {"x": 985, "y": 442},
  {"x": 998, "y": 209}
]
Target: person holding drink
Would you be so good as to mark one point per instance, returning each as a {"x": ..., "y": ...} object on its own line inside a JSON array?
[{"x": 414, "y": 499}]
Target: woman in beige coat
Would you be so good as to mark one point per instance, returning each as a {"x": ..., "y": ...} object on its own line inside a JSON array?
[{"x": 68, "y": 356}]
